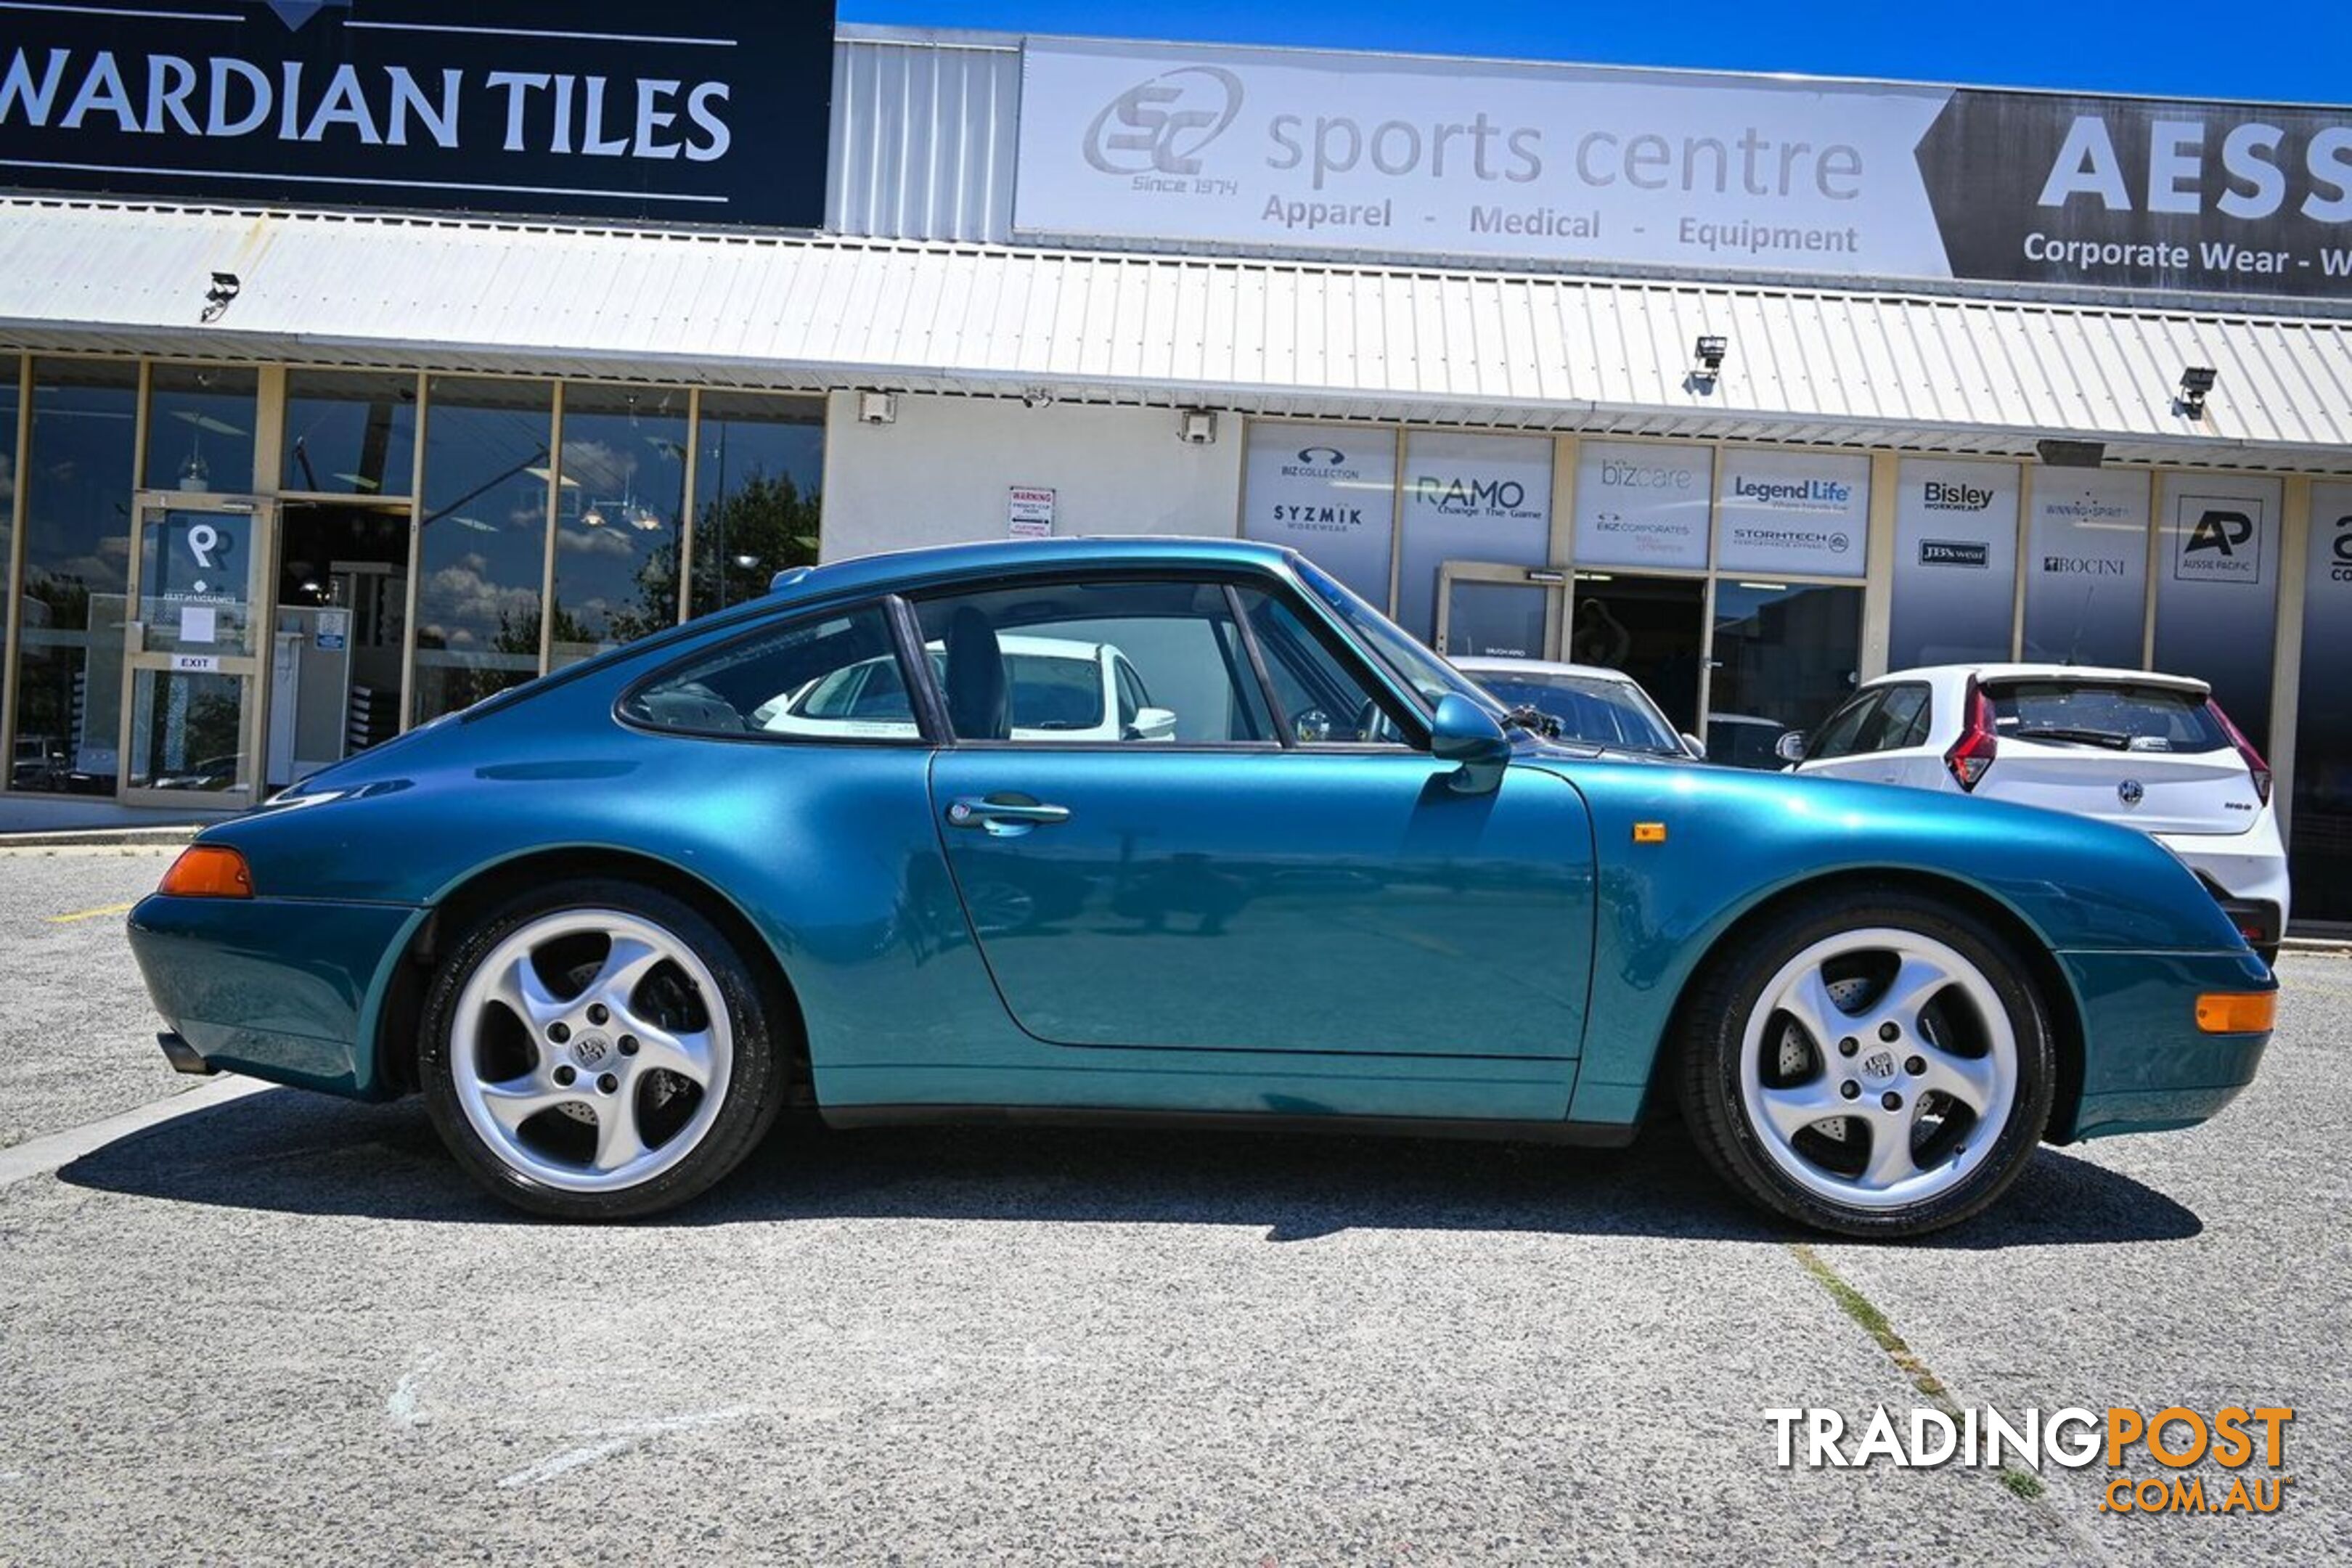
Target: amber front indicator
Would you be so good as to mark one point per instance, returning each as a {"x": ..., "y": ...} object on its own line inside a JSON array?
[
  {"x": 208, "y": 871},
  {"x": 2237, "y": 1013}
]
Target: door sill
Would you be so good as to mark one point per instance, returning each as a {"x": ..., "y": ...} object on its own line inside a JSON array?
[{"x": 1578, "y": 1134}]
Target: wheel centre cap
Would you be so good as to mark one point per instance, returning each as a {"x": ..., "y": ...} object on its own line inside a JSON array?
[
  {"x": 590, "y": 1050},
  {"x": 1878, "y": 1067}
]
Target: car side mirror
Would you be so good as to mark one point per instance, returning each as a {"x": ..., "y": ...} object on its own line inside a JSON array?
[
  {"x": 1791, "y": 746},
  {"x": 1462, "y": 731},
  {"x": 1694, "y": 746},
  {"x": 1152, "y": 724}
]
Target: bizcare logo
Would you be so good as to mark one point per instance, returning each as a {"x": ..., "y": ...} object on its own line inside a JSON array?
[
  {"x": 1161, "y": 126},
  {"x": 2223, "y": 546},
  {"x": 1626, "y": 476},
  {"x": 1939, "y": 495},
  {"x": 1954, "y": 553}
]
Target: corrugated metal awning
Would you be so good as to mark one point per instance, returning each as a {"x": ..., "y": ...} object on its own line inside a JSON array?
[{"x": 1328, "y": 341}]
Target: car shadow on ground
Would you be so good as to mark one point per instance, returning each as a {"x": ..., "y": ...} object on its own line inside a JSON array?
[{"x": 287, "y": 1152}]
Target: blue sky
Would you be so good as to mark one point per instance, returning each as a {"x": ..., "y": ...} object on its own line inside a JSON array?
[{"x": 2291, "y": 51}]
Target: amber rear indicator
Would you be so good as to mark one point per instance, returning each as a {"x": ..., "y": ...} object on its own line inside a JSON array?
[
  {"x": 208, "y": 871},
  {"x": 2237, "y": 1011}
]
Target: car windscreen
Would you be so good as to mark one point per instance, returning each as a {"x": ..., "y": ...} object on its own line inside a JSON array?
[
  {"x": 1589, "y": 708},
  {"x": 1422, "y": 670},
  {"x": 2103, "y": 713}
]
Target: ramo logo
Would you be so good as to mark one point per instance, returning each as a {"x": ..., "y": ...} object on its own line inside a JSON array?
[{"x": 1160, "y": 126}]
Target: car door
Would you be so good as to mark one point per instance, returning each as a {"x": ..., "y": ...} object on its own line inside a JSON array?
[
  {"x": 1836, "y": 750},
  {"x": 1282, "y": 872}
]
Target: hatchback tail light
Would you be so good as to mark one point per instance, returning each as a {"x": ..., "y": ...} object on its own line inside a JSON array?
[
  {"x": 1973, "y": 752},
  {"x": 2253, "y": 759}
]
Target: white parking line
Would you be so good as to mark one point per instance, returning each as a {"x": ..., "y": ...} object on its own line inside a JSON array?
[{"x": 40, "y": 1156}]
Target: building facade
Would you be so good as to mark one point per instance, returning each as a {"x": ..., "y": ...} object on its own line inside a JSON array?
[{"x": 1753, "y": 388}]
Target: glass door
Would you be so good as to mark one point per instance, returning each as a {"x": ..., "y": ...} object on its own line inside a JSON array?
[
  {"x": 192, "y": 651},
  {"x": 1486, "y": 611}
]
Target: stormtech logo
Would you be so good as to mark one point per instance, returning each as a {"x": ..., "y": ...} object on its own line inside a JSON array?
[
  {"x": 1161, "y": 126},
  {"x": 1954, "y": 553}
]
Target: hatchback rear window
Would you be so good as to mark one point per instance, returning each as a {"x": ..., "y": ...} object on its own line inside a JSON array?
[{"x": 2133, "y": 718}]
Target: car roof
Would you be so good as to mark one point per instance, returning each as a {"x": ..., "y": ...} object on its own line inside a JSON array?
[
  {"x": 1493, "y": 664},
  {"x": 897, "y": 569},
  {"x": 2088, "y": 674}
]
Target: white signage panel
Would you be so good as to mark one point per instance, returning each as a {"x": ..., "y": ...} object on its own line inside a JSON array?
[
  {"x": 1642, "y": 505},
  {"x": 1955, "y": 562},
  {"x": 1802, "y": 513},
  {"x": 2086, "y": 566},
  {"x": 1328, "y": 492},
  {"x": 2217, "y": 590},
  {"x": 1469, "y": 498}
]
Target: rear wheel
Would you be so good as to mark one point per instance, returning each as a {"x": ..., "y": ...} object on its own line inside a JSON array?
[
  {"x": 1878, "y": 1066},
  {"x": 598, "y": 1050}
]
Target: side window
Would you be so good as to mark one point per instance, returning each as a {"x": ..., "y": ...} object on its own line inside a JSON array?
[
  {"x": 1091, "y": 662},
  {"x": 1902, "y": 720},
  {"x": 1324, "y": 701},
  {"x": 1839, "y": 736},
  {"x": 832, "y": 676}
]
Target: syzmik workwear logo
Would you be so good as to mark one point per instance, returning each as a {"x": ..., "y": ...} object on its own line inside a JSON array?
[{"x": 1160, "y": 126}]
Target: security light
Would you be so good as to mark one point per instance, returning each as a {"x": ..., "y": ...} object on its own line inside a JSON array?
[
  {"x": 1706, "y": 354},
  {"x": 217, "y": 297},
  {"x": 2060, "y": 454},
  {"x": 1196, "y": 426},
  {"x": 2195, "y": 382},
  {"x": 878, "y": 407}
]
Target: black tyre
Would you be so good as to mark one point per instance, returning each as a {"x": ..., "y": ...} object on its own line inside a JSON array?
[
  {"x": 600, "y": 1050},
  {"x": 1872, "y": 1064}
]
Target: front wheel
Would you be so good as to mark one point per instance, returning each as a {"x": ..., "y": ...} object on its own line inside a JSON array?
[
  {"x": 1874, "y": 1066},
  {"x": 598, "y": 1050}
]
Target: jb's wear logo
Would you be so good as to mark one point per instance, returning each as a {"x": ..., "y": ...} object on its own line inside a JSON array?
[
  {"x": 2220, "y": 541},
  {"x": 1954, "y": 553},
  {"x": 1161, "y": 126},
  {"x": 2249, "y": 1444}
]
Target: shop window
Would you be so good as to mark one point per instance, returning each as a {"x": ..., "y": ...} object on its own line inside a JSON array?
[
  {"x": 200, "y": 422},
  {"x": 2217, "y": 590},
  {"x": 78, "y": 484},
  {"x": 350, "y": 433},
  {"x": 483, "y": 550},
  {"x": 1327, "y": 492},
  {"x": 623, "y": 501},
  {"x": 759, "y": 464},
  {"x": 834, "y": 677},
  {"x": 2086, "y": 566},
  {"x": 1469, "y": 498},
  {"x": 1785, "y": 652},
  {"x": 2321, "y": 840},
  {"x": 1955, "y": 593},
  {"x": 39, "y": 765}
]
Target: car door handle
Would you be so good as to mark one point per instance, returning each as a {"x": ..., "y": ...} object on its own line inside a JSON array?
[{"x": 998, "y": 816}]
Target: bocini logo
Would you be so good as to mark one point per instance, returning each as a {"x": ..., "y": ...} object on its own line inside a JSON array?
[{"x": 1160, "y": 126}]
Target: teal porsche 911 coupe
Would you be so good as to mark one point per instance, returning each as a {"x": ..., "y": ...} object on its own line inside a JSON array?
[{"x": 1092, "y": 830}]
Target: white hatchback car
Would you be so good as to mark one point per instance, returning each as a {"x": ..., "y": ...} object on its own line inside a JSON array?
[
  {"x": 1057, "y": 689},
  {"x": 2150, "y": 752},
  {"x": 1604, "y": 707}
]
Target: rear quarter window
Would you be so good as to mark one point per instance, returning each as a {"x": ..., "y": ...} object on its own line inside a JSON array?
[{"x": 2141, "y": 718}]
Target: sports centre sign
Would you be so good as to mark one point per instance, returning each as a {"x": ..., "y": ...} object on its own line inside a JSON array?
[{"x": 1701, "y": 172}]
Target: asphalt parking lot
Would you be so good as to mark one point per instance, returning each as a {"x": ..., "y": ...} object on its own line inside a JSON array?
[{"x": 280, "y": 1327}]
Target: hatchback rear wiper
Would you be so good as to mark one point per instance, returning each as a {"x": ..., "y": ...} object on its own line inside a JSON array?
[{"x": 2113, "y": 740}]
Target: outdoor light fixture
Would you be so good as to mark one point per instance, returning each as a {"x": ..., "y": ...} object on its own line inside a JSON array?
[
  {"x": 1706, "y": 354},
  {"x": 878, "y": 407},
  {"x": 1038, "y": 397},
  {"x": 2195, "y": 382},
  {"x": 1196, "y": 426},
  {"x": 217, "y": 297},
  {"x": 2060, "y": 454}
]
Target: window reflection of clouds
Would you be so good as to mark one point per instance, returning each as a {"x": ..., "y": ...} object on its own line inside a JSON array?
[
  {"x": 484, "y": 541},
  {"x": 624, "y": 506}
]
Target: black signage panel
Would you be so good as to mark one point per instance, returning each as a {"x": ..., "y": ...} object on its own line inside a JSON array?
[
  {"x": 696, "y": 111},
  {"x": 2140, "y": 193}
]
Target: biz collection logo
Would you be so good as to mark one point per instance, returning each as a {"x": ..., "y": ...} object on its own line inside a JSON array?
[
  {"x": 1162, "y": 125},
  {"x": 2223, "y": 546},
  {"x": 1954, "y": 553},
  {"x": 1318, "y": 465}
]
